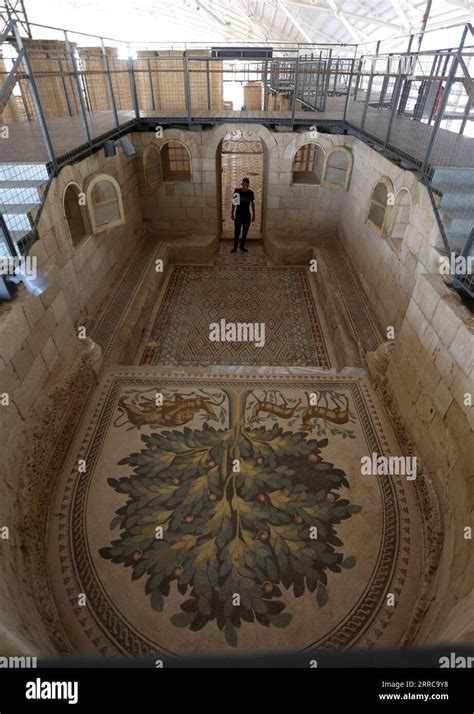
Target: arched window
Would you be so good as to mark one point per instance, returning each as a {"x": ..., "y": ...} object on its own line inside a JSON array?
[
  {"x": 104, "y": 201},
  {"x": 338, "y": 168},
  {"x": 379, "y": 201},
  {"x": 175, "y": 161},
  {"x": 400, "y": 218},
  {"x": 151, "y": 164},
  {"x": 74, "y": 212},
  {"x": 308, "y": 164}
]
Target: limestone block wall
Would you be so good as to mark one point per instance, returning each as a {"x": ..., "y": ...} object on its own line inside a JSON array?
[
  {"x": 94, "y": 66},
  {"x": 95, "y": 79},
  {"x": 430, "y": 378},
  {"x": 160, "y": 79},
  {"x": 306, "y": 213},
  {"x": 198, "y": 81},
  {"x": 431, "y": 371},
  {"x": 253, "y": 95},
  {"x": 49, "y": 62},
  {"x": 181, "y": 206},
  {"x": 388, "y": 273},
  {"x": 86, "y": 271},
  {"x": 279, "y": 102},
  {"x": 38, "y": 346},
  {"x": 290, "y": 211},
  {"x": 171, "y": 80},
  {"x": 146, "y": 79},
  {"x": 12, "y": 109}
]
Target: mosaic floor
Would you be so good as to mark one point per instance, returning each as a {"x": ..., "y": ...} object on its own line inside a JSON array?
[
  {"x": 115, "y": 312},
  {"x": 254, "y": 257},
  {"x": 280, "y": 299},
  {"x": 224, "y": 513},
  {"x": 355, "y": 305}
]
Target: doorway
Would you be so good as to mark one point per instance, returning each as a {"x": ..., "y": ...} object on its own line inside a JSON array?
[{"x": 241, "y": 155}]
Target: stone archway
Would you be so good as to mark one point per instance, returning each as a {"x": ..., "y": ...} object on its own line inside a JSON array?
[{"x": 241, "y": 153}]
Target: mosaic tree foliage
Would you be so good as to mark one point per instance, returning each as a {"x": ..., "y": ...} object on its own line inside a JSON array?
[{"x": 244, "y": 512}]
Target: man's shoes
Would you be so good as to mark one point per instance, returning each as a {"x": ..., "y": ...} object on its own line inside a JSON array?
[
  {"x": 234, "y": 250},
  {"x": 244, "y": 249}
]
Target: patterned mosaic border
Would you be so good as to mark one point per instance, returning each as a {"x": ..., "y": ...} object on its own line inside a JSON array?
[
  {"x": 364, "y": 622},
  {"x": 301, "y": 328},
  {"x": 114, "y": 314},
  {"x": 361, "y": 320}
]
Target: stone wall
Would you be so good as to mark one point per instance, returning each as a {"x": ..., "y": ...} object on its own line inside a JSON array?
[
  {"x": 305, "y": 212},
  {"x": 12, "y": 110},
  {"x": 431, "y": 381},
  {"x": 96, "y": 62},
  {"x": 388, "y": 271},
  {"x": 38, "y": 349},
  {"x": 300, "y": 212},
  {"x": 184, "y": 206},
  {"x": 430, "y": 377},
  {"x": 430, "y": 372},
  {"x": 54, "y": 83}
]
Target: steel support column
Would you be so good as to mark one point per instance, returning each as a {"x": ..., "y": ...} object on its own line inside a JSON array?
[
  {"x": 133, "y": 89},
  {"x": 150, "y": 80},
  {"x": 326, "y": 84},
  {"x": 187, "y": 87},
  {"x": 72, "y": 61},
  {"x": 440, "y": 114},
  {"x": 208, "y": 85},
  {"x": 349, "y": 84},
  {"x": 367, "y": 98},
  {"x": 395, "y": 97},
  {"x": 36, "y": 98},
  {"x": 466, "y": 115},
  {"x": 8, "y": 239},
  {"x": 295, "y": 91},
  {"x": 265, "y": 86},
  {"x": 109, "y": 81}
]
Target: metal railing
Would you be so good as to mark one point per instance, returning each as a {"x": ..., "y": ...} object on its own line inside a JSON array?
[
  {"x": 413, "y": 105},
  {"x": 13, "y": 11}
]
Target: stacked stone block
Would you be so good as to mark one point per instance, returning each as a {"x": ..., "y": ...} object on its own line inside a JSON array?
[
  {"x": 38, "y": 347},
  {"x": 253, "y": 96},
  {"x": 431, "y": 379},
  {"x": 50, "y": 64},
  {"x": 94, "y": 64}
]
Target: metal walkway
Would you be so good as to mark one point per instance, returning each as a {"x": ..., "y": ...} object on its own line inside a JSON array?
[
  {"x": 61, "y": 100},
  {"x": 409, "y": 138}
]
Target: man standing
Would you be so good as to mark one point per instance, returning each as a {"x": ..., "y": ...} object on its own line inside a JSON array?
[{"x": 243, "y": 198}]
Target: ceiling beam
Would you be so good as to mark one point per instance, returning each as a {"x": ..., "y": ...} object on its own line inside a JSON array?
[
  {"x": 317, "y": 29},
  {"x": 437, "y": 22},
  {"x": 298, "y": 25},
  {"x": 181, "y": 16},
  {"x": 365, "y": 18},
  {"x": 467, "y": 5},
  {"x": 251, "y": 21},
  {"x": 295, "y": 23},
  {"x": 201, "y": 4},
  {"x": 340, "y": 15},
  {"x": 272, "y": 21},
  {"x": 402, "y": 17}
]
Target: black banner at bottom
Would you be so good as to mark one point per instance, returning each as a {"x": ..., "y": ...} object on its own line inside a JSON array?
[{"x": 82, "y": 689}]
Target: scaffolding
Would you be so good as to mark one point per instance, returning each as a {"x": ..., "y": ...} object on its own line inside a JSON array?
[{"x": 62, "y": 97}]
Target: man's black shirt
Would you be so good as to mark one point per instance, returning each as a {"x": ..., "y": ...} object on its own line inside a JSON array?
[{"x": 245, "y": 198}]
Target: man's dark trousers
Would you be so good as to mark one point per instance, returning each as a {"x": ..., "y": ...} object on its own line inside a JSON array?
[{"x": 241, "y": 222}]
